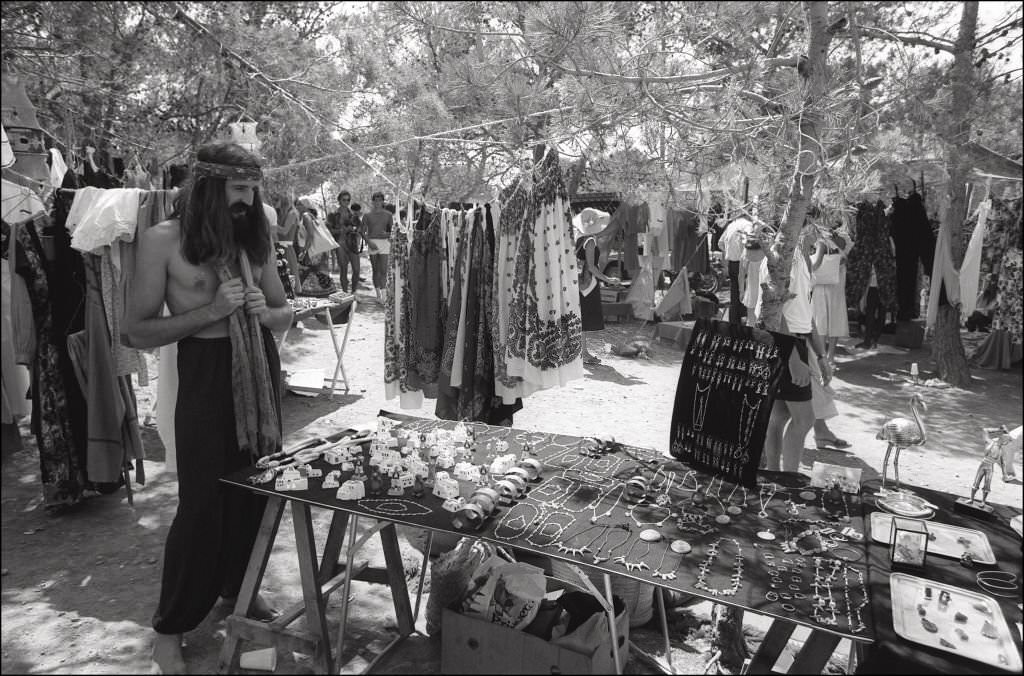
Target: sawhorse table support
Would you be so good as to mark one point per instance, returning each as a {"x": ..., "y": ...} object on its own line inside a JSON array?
[{"x": 319, "y": 581}]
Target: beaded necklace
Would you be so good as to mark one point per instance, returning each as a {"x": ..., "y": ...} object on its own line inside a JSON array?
[
  {"x": 851, "y": 611},
  {"x": 705, "y": 565},
  {"x": 639, "y": 564},
  {"x": 550, "y": 521},
  {"x": 761, "y": 498}
]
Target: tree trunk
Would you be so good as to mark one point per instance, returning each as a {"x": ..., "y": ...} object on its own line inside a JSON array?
[
  {"x": 812, "y": 73},
  {"x": 947, "y": 349}
]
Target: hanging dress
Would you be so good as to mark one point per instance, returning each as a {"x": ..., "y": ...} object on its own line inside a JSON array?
[{"x": 545, "y": 337}]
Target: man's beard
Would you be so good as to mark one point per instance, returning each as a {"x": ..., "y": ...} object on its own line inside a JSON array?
[{"x": 242, "y": 227}]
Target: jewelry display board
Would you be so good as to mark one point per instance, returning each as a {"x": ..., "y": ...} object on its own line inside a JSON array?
[
  {"x": 783, "y": 549},
  {"x": 727, "y": 386}
]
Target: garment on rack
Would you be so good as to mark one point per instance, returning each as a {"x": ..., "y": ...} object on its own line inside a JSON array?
[
  {"x": 873, "y": 252},
  {"x": 1002, "y": 232},
  {"x": 57, "y": 167},
  {"x": 114, "y": 440},
  {"x": 915, "y": 242},
  {"x": 545, "y": 336},
  {"x": 1007, "y": 315},
  {"x": 397, "y": 324},
  {"x": 13, "y": 376},
  {"x": 689, "y": 248},
  {"x": 99, "y": 218},
  {"x": 970, "y": 269},
  {"x": 58, "y": 407}
]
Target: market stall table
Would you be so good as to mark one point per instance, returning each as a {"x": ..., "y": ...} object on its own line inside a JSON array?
[
  {"x": 892, "y": 653},
  {"x": 326, "y": 310},
  {"x": 575, "y": 505}
]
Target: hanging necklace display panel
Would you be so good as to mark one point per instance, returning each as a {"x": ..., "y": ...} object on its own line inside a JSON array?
[{"x": 724, "y": 398}]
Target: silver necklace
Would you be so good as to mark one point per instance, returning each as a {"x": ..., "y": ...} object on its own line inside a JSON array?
[
  {"x": 705, "y": 566},
  {"x": 597, "y": 503},
  {"x": 551, "y": 522},
  {"x": 640, "y": 564},
  {"x": 671, "y": 575},
  {"x": 513, "y": 523},
  {"x": 764, "y": 502},
  {"x": 701, "y": 398},
  {"x": 641, "y": 524},
  {"x": 564, "y": 548},
  {"x": 748, "y": 417},
  {"x": 597, "y": 554}
]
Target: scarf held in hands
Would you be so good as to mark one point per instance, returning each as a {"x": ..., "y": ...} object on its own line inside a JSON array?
[{"x": 257, "y": 424}]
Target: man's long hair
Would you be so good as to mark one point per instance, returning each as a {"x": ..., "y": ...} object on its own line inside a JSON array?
[{"x": 208, "y": 232}]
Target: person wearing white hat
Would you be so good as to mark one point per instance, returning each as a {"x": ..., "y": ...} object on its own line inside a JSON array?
[{"x": 588, "y": 224}]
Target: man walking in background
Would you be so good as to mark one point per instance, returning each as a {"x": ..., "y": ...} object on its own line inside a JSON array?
[
  {"x": 346, "y": 228},
  {"x": 378, "y": 224}
]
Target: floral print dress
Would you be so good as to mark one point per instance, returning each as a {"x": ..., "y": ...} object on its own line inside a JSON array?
[
  {"x": 541, "y": 338},
  {"x": 872, "y": 248}
]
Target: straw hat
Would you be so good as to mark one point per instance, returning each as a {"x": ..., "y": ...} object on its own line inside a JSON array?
[{"x": 591, "y": 221}]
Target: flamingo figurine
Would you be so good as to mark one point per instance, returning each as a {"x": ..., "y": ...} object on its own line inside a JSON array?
[{"x": 902, "y": 433}]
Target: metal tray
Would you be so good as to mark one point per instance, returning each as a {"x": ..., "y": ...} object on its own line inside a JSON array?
[
  {"x": 945, "y": 542},
  {"x": 905, "y": 505},
  {"x": 908, "y": 591}
]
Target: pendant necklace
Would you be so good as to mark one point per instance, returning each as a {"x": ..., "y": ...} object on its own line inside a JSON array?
[
  {"x": 705, "y": 566},
  {"x": 671, "y": 575},
  {"x": 597, "y": 503},
  {"x": 579, "y": 551},
  {"x": 700, "y": 406},
  {"x": 737, "y": 509},
  {"x": 640, "y": 564},
  {"x": 765, "y": 496},
  {"x": 641, "y": 524},
  {"x": 597, "y": 554},
  {"x": 748, "y": 417}
]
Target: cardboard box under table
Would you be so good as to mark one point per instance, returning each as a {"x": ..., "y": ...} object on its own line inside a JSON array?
[{"x": 470, "y": 645}]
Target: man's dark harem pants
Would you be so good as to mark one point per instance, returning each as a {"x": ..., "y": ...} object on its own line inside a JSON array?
[{"x": 213, "y": 532}]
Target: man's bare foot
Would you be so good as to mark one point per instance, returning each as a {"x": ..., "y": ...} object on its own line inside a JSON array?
[
  {"x": 261, "y": 610},
  {"x": 167, "y": 657}
]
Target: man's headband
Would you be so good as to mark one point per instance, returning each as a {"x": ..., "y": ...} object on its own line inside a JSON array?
[{"x": 209, "y": 169}]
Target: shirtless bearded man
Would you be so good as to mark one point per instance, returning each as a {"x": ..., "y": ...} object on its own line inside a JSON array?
[{"x": 228, "y": 409}]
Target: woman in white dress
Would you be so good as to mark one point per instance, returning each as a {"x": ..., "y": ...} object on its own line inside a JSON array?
[{"x": 828, "y": 297}]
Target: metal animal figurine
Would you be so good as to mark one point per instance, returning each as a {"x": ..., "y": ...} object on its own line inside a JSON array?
[{"x": 902, "y": 433}]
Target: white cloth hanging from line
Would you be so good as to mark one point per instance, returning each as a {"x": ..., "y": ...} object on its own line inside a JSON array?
[
  {"x": 970, "y": 270},
  {"x": 943, "y": 271},
  {"x": 99, "y": 217},
  {"x": 57, "y": 168}
]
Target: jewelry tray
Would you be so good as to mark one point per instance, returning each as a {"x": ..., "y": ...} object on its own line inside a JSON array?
[
  {"x": 945, "y": 542},
  {"x": 907, "y": 591}
]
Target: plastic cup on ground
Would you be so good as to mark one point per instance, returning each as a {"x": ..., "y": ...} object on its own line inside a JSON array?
[{"x": 264, "y": 659}]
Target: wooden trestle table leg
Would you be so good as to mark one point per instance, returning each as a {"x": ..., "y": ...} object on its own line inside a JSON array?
[
  {"x": 316, "y": 618},
  {"x": 253, "y": 578}
]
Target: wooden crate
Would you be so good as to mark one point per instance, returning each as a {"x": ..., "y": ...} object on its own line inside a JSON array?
[{"x": 472, "y": 646}]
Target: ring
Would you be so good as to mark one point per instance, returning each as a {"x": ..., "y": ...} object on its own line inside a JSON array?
[
  {"x": 788, "y": 607},
  {"x": 785, "y": 597},
  {"x": 794, "y": 587},
  {"x": 796, "y": 578},
  {"x": 771, "y": 596},
  {"x": 799, "y": 596}
]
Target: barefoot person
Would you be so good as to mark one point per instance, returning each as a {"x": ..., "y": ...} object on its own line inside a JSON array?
[{"x": 228, "y": 407}]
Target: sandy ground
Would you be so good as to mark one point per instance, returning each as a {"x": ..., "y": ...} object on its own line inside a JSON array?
[{"x": 79, "y": 589}]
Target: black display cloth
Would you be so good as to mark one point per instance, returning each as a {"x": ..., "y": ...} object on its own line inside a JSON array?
[
  {"x": 892, "y": 654},
  {"x": 577, "y": 488},
  {"x": 727, "y": 386}
]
